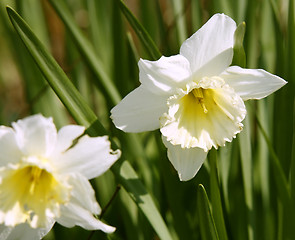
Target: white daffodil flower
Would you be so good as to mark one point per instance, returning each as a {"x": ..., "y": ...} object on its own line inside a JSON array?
[
  {"x": 44, "y": 177},
  {"x": 194, "y": 97}
]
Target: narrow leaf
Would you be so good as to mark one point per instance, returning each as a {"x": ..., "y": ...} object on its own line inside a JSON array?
[
  {"x": 142, "y": 34},
  {"x": 279, "y": 176},
  {"x": 239, "y": 58},
  {"x": 247, "y": 170},
  {"x": 86, "y": 50},
  {"x": 179, "y": 14},
  {"x": 207, "y": 224},
  {"x": 215, "y": 197},
  {"x": 55, "y": 76}
]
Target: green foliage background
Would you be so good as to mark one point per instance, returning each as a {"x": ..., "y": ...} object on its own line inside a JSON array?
[{"x": 245, "y": 190}]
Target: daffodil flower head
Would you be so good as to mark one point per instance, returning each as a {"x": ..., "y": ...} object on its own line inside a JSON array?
[
  {"x": 196, "y": 98},
  {"x": 44, "y": 176}
]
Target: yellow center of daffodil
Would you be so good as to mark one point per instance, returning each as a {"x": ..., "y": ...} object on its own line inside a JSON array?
[
  {"x": 208, "y": 114},
  {"x": 199, "y": 100},
  {"x": 31, "y": 194}
]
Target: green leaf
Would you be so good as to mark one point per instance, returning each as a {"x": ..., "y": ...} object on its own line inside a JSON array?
[
  {"x": 247, "y": 170},
  {"x": 135, "y": 188},
  {"x": 207, "y": 224},
  {"x": 239, "y": 58},
  {"x": 292, "y": 180},
  {"x": 55, "y": 76},
  {"x": 225, "y": 6},
  {"x": 279, "y": 176},
  {"x": 86, "y": 50},
  {"x": 142, "y": 34},
  {"x": 215, "y": 197},
  {"x": 81, "y": 112},
  {"x": 179, "y": 13}
]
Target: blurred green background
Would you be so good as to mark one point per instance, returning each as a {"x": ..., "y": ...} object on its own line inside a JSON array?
[{"x": 249, "y": 182}]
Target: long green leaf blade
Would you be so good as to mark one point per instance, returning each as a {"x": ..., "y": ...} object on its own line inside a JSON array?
[
  {"x": 207, "y": 224},
  {"x": 239, "y": 58},
  {"x": 280, "y": 178},
  {"x": 247, "y": 169},
  {"x": 55, "y": 76},
  {"x": 215, "y": 197},
  {"x": 86, "y": 50},
  {"x": 142, "y": 34}
]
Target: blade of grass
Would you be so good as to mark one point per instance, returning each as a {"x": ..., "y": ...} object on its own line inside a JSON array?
[
  {"x": 239, "y": 58},
  {"x": 224, "y": 156},
  {"x": 247, "y": 170},
  {"x": 262, "y": 163},
  {"x": 179, "y": 15},
  {"x": 265, "y": 112},
  {"x": 285, "y": 135},
  {"x": 215, "y": 197},
  {"x": 148, "y": 12},
  {"x": 292, "y": 180},
  {"x": 223, "y": 5},
  {"x": 292, "y": 175},
  {"x": 56, "y": 78},
  {"x": 86, "y": 50},
  {"x": 38, "y": 94},
  {"x": 207, "y": 224},
  {"x": 253, "y": 30},
  {"x": 196, "y": 15},
  {"x": 142, "y": 34},
  {"x": 280, "y": 178},
  {"x": 81, "y": 112},
  {"x": 244, "y": 137},
  {"x": 122, "y": 70}
]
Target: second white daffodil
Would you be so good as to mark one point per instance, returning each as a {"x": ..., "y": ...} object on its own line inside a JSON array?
[
  {"x": 194, "y": 97},
  {"x": 44, "y": 177}
]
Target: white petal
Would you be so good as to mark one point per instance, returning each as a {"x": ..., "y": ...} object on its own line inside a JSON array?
[
  {"x": 91, "y": 157},
  {"x": 10, "y": 152},
  {"x": 36, "y": 135},
  {"x": 214, "y": 37},
  {"x": 215, "y": 66},
  {"x": 252, "y": 83},
  {"x": 83, "y": 193},
  {"x": 79, "y": 211},
  {"x": 164, "y": 75},
  {"x": 73, "y": 214},
  {"x": 66, "y": 135},
  {"x": 139, "y": 111},
  {"x": 186, "y": 161},
  {"x": 23, "y": 232}
]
